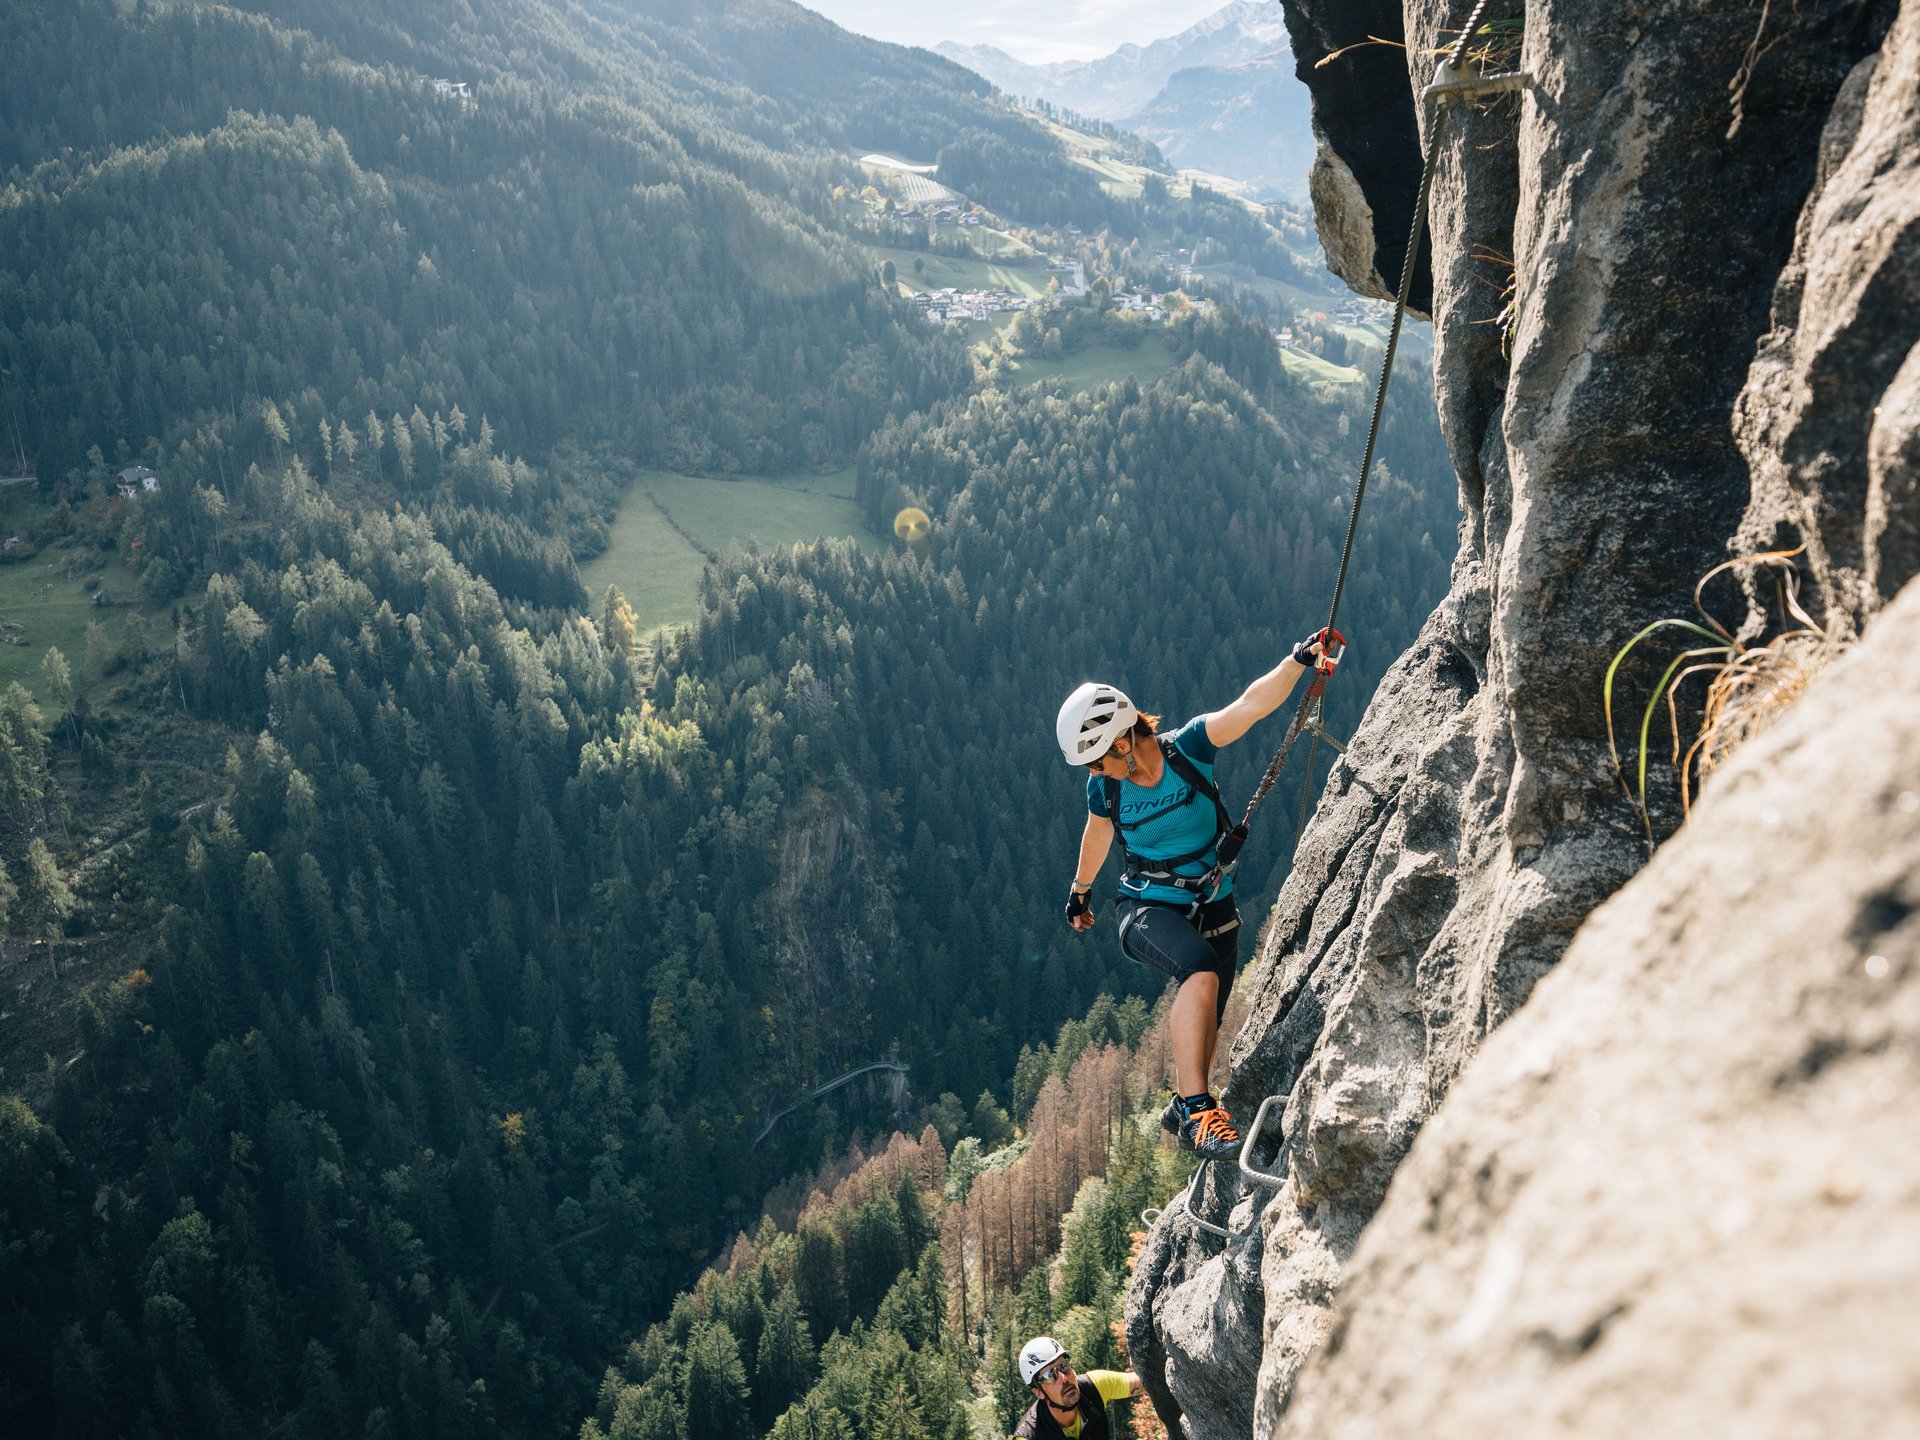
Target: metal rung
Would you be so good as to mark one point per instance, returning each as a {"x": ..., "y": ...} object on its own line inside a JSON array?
[
  {"x": 1184, "y": 1201},
  {"x": 1327, "y": 735},
  {"x": 1273, "y": 1179},
  {"x": 1453, "y": 85}
]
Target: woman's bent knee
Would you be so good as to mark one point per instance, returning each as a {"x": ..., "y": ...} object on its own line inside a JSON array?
[{"x": 1162, "y": 939}]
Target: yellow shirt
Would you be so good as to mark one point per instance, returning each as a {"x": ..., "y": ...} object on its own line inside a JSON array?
[{"x": 1111, "y": 1385}]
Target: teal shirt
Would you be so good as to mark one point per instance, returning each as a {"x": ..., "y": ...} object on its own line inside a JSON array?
[{"x": 1167, "y": 819}]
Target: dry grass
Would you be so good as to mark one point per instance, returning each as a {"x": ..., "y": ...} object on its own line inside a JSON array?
[
  {"x": 1326, "y": 60},
  {"x": 1506, "y": 285},
  {"x": 1752, "y": 691},
  {"x": 1495, "y": 46},
  {"x": 1748, "y": 686}
]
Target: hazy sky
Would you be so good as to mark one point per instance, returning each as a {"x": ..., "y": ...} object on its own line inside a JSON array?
[{"x": 1032, "y": 30}]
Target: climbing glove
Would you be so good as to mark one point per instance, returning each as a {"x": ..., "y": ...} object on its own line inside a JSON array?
[
  {"x": 1327, "y": 639},
  {"x": 1079, "y": 902}
]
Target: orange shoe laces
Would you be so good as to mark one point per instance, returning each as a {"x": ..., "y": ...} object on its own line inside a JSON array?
[{"x": 1213, "y": 1125}]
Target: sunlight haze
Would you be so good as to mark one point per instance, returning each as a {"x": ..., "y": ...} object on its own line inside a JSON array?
[{"x": 1082, "y": 30}]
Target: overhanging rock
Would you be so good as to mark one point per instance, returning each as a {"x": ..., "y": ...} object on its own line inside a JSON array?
[{"x": 1475, "y": 821}]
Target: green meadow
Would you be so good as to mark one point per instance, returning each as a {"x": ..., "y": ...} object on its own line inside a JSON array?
[
  {"x": 50, "y": 605},
  {"x": 1312, "y": 367},
  {"x": 47, "y": 600},
  {"x": 669, "y": 524},
  {"x": 1096, "y": 365},
  {"x": 940, "y": 272}
]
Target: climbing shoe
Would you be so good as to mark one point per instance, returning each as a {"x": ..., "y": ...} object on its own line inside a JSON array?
[
  {"x": 1170, "y": 1119},
  {"x": 1210, "y": 1134}
]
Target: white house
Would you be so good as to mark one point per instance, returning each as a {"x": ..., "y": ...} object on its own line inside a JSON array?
[{"x": 136, "y": 480}]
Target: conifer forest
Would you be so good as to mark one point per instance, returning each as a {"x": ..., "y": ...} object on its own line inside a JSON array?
[{"x": 416, "y": 967}]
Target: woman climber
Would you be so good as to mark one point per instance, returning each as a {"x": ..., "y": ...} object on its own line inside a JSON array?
[{"x": 1175, "y": 902}]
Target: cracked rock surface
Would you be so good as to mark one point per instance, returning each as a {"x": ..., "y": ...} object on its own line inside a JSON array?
[
  {"x": 1689, "y": 310},
  {"x": 1679, "y": 1192}
]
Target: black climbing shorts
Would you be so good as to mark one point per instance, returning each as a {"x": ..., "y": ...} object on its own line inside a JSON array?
[{"x": 1164, "y": 938}]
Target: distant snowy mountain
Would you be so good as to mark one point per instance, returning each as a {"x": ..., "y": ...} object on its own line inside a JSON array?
[
  {"x": 1117, "y": 85},
  {"x": 1249, "y": 121},
  {"x": 1220, "y": 96}
]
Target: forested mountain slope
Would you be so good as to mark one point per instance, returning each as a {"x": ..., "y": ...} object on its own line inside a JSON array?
[
  {"x": 1247, "y": 120},
  {"x": 433, "y": 951},
  {"x": 891, "y": 1292},
  {"x": 611, "y": 239}
]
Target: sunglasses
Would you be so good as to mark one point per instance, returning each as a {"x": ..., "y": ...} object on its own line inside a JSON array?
[{"x": 1059, "y": 1370}]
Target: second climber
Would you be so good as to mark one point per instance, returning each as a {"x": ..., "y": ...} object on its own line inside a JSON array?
[{"x": 1156, "y": 794}]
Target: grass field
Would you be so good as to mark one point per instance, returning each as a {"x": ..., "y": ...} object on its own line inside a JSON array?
[
  {"x": 1125, "y": 180},
  {"x": 654, "y": 566},
  {"x": 48, "y": 598},
  {"x": 942, "y": 271},
  {"x": 1118, "y": 177},
  {"x": 668, "y": 524},
  {"x": 53, "y": 609},
  {"x": 1002, "y": 246},
  {"x": 1097, "y": 365},
  {"x": 1265, "y": 285},
  {"x": 1312, "y": 367}
]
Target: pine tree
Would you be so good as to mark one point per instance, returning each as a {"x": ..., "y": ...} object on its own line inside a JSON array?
[
  {"x": 716, "y": 1385},
  {"x": 60, "y": 692},
  {"x": 43, "y": 899},
  {"x": 783, "y": 1367}
]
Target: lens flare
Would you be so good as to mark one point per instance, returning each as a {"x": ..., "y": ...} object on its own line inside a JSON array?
[{"x": 912, "y": 524}]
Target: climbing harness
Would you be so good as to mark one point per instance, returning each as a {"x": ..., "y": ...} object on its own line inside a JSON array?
[
  {"x": 1452, "y": 86},
  {"x": 1165, "y": 871}
]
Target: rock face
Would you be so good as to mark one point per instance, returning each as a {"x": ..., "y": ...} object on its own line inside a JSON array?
[
  {"x": 1680, "y": 1191},
  {"x": 1671, "y": 270},
  {"x": 1844, "y": 345}
]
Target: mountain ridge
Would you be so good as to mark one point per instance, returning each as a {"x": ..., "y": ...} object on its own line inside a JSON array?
[
  {"x": 1250, "y": 120},
  {"x": 1115, "y": 85}
]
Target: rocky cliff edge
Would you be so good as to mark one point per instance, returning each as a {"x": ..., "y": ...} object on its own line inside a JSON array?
[{"x": 1708, "y": 220}]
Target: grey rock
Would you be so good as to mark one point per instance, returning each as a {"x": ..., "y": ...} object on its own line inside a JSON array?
[
  {"x": 1344, "y": 221},
  {"x": 1679, "y": 1192},
  {"x": 1363, "y": 115},
  {"x": 1828, "y": 418},
  {"x": 1476, "y": 820},
  {"x": 1891, "y": 543}
]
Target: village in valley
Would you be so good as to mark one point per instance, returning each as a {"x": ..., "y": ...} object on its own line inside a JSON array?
[{"x": 959, "y": 264}]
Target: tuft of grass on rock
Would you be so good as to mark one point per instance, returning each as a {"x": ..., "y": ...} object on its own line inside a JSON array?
[{"x": 1748, "y": 686}]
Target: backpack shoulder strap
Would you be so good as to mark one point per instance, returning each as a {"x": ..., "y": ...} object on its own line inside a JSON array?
[{"x": 1189, "y": 772}]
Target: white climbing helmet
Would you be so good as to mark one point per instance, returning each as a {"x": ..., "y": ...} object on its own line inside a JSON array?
[
  {"x": 1094, "y": 716},
  {"x": 1041, "y": 1351}
]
